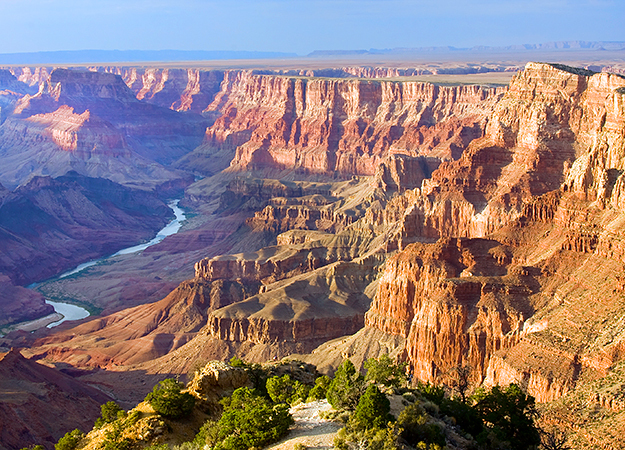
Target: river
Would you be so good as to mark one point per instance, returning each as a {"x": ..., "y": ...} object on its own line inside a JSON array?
[{"x": 73, "y": 312}]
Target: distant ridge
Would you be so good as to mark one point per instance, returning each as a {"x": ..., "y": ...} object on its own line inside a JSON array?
[
  {"x": 114, "y": 56},
  {"x": 548, "y": 46},
  {"x": 109, "y": 56}
]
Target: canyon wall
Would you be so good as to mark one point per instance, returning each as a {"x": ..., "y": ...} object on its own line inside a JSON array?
[
  {"x": 490, "y": 224},
  {"x": 347, "y": 126},
  {"x": 543, "y": 185}
]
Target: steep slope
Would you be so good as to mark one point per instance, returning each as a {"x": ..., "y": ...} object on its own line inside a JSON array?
[
  {"x": 92, "y": 123},
  {"x": 506, "y": 258},
  {"x": 544, "y": 186},
  {"x": 28, "y": 388},
  {"x": 325, "y": 125},
  {"x": 71, "y": 219}
]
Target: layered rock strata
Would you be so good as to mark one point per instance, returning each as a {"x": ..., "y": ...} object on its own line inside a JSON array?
[
  {"x": 349, "y": 126},
  {"x": 93, "y": 123},
  {"x": 543, "y": 185}
]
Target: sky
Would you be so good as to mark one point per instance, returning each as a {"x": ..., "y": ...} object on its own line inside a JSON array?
[{"x": 300, "y": 26}]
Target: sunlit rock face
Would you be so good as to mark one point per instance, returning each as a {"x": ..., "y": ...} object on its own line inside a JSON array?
[
  {"x": 544, "y": 185},
  {"x": 344, "y": 125},
  {"x": 91, "y": 122}
]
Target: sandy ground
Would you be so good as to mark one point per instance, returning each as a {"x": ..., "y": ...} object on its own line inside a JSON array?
[
  {"x": 309, "y": 429},
  {"x": 34, "y": 324}
]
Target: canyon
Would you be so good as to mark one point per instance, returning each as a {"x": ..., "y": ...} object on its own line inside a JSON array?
[{"x": 333, "y": 213}]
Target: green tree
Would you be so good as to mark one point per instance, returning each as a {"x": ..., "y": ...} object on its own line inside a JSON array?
[
  {"x": 373, "y": 410},
  {"x": 417, "y": 427},
  {"x": 110, "y": 411},
  {"x": 208, "y": 434},
  {"x": 384, "y": 371},
  {"x": 281, "y": 389},
  {"x": 346, "y": 387},
  {"x": 250, "y": 420},
  {"x": 286, "y": 390},
  {"x": 70, "y": 441},
  {"x": 509, "y": 413},
  {"x": 319, "y": 390},
  {"x": 256, "y": 373},
  {"x": 167, "y": 399}
]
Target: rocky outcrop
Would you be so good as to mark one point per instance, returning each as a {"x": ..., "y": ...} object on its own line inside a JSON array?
[
  {"x": 542, "y": 184},
  {"x": 145, "y": 332},
  {"x": 18, "y": 304},
  {"x": 91, "y": 122},
  {"x": 216, "y": 380},
  {"x": 307, "y": 309},
  {"x": 454, "y": 303}
]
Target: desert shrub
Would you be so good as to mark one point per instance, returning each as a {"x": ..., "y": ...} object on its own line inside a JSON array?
[
  {"x": 384, "y": 371},
  {"x": 250, "y": 420},
  {"x": 466, "y": 416},
  {"x": 373, "y": 410},
  {"x": 319, "y": 390},
  {"x": 34, "y": 447},
  {"x": 110, "y": 412},
  {"x": 346, "y": 387},
  {"x": 286, "y": 390},
  {"x": 418, "y": 427},
  {"x": 433, "y": 393},
  {"x": 167, "y": 399},
  {"x": 157, "y": 447},
  {"x": 70, "y": 441},
  {"x": 508, "y": 414},
  {"x": 208, "y": 435},
  {"x": 256, "y": 373},
  {"x": 371, "y": 439}
]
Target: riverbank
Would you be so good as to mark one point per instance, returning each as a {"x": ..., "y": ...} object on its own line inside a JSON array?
[
  {"x": 33, "y": 325},
  {"x": 69, "y": 311}
]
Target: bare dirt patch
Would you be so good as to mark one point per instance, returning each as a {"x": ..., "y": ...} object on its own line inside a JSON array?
[{"x": 309, "y": 428}]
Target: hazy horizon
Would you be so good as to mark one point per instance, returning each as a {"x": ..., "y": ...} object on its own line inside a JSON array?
[{"x": 300, "y": 26}]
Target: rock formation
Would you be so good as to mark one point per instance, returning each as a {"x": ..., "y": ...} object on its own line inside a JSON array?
[
  {"x": 94, "y": 216},
  {"x": 543, "y": 186},
  {"x": 93, "y": 123},
  {"x": 38, "y": 404},
  {"x": 349, "y": 126},
  {"x": 487, "y": 232}
]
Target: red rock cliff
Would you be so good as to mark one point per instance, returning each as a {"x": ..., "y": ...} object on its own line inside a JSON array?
[
  {"x": 545, "y": 184},
  {"x": 327, "y": 125}
]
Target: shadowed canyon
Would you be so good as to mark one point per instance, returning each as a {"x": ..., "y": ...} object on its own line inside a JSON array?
[{"x": 330, "y": 213}]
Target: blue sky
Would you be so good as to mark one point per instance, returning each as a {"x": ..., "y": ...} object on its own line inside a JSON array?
[{"x": 300, "y": 26}]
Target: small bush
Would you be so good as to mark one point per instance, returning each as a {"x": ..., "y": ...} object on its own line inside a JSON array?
[
  {"x": 167, "y": 399},
  {"x": 319, "y": 390},
  {"x": 418, "y": 427},
  {"x": 346, "y": 387},
  {"x": 250, "y": 420},
  {"x": 385, "y": 371},
  {"x": 373, "y": 410},
  {"x": 70, "y": 441}
]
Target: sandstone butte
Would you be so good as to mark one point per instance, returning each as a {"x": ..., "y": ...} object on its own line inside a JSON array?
[{"x": 482, "y": 228}]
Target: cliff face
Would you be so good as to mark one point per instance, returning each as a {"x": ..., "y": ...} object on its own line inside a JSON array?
[
  {"x": 349, "y": 126},
  {"x": 491, "y": 225},
  {"x": 544, "y": 185},
  {"x": 92, "y": 123}
]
